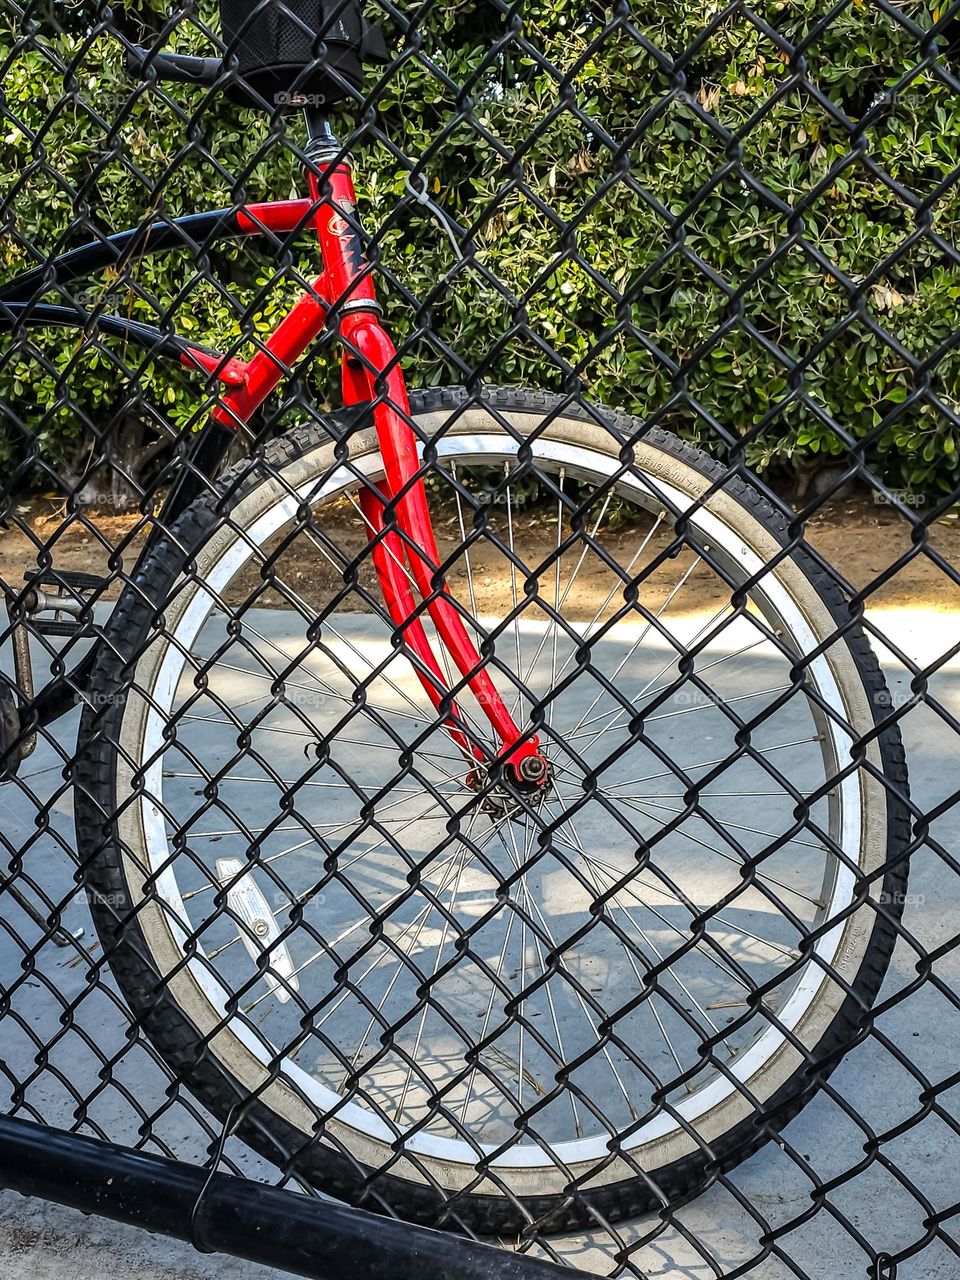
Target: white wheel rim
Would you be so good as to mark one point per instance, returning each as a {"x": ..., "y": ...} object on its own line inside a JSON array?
[{"x": 464, "y": 449}]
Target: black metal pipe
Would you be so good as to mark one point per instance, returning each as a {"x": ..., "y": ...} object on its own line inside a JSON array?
[
  {"x": 220, "y": 1213},
  {"x": 106, "y": 251},
  {"x": 45, "y": 315}
]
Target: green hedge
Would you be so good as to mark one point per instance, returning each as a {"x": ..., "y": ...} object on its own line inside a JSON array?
[{"x": 627, "y": 237}]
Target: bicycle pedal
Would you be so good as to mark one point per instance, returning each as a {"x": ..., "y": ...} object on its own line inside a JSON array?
[
  {"x": 69, "y": 604},
  {"x": 71, "y": 597}
]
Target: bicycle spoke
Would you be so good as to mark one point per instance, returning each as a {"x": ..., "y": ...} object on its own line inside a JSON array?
[
  {"x": 611, "y": 787},
  {"x": 474, "y": 611},
  {"x": 534, "y": 907},
  {"x": 459, "y": 865},
  {"x": 387, "y": 713},
  {"x": 643, "y": 936},
  {"x": 322, "y": 951},
  {"x": 632, "y": 651},
  {"x": 613, "y": 591},
  {"x": 701, "y": 671}
]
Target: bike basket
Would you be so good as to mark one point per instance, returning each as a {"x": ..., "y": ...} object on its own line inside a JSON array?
[{"x": 289, "y": 52}]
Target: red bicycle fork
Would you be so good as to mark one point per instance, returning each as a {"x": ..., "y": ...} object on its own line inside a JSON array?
[{"x": 405, "y": 553}]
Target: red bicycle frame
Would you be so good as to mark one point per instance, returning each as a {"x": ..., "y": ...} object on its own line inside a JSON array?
[{"x": 405, "y": 555}]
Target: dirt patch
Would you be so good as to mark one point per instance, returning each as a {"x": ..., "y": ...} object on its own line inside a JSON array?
[{"x": 861, "y": 539}]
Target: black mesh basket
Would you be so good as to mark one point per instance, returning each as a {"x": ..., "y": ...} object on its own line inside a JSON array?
[{"x": 291, "y": 50}]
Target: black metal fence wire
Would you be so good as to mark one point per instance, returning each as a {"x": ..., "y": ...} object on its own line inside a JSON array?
[{"x": 600, "y": 204}]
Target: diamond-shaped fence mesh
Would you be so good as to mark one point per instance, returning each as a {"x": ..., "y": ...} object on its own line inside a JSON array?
[{"x": 480, "y": 558}]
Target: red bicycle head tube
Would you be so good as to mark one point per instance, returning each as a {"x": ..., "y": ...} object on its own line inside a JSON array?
[{"x": 346, "y": 272}]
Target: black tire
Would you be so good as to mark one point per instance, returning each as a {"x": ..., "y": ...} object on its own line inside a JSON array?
[{"x": 118, "y": 912}]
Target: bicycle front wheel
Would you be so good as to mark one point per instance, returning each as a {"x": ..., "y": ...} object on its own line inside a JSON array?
[{"x": 474, "y": 1004}]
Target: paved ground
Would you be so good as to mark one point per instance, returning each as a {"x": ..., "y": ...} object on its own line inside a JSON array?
[
  {"x": 42, "y": 1241},
  {"x": 39, "y": 1240}
]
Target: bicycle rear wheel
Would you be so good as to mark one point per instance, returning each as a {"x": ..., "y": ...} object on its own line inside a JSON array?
[{"x": 472, "y": 1003}]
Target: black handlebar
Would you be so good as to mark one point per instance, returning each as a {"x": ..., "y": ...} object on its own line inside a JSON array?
[{"x": 171, "y": 66}]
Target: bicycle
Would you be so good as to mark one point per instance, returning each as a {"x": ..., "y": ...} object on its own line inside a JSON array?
[{"x": 418, "y": 881}]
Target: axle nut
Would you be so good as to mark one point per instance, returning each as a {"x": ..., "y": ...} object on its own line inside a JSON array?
[{"x": 533, "y": 768}]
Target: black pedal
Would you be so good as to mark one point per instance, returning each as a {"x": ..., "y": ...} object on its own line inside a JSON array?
[
  {"x": 64, "y": 577},
  {"x": 65, "y": 596}
]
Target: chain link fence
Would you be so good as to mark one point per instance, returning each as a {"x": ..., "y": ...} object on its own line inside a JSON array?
[{"x": 559, "y": 884}]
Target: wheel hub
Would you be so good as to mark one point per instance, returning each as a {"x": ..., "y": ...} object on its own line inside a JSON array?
[{"x": 525, "y": 785}]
